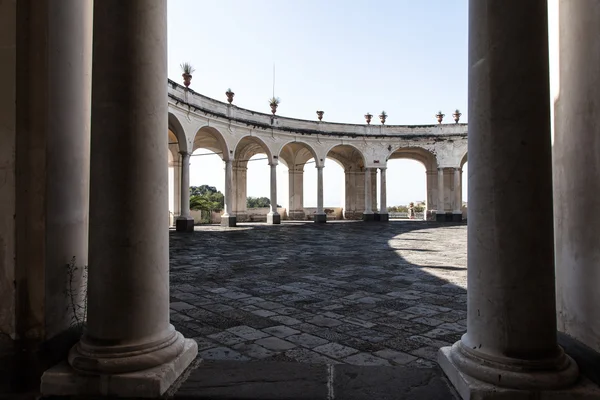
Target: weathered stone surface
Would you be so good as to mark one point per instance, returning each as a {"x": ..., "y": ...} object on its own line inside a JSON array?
[{"x": 227, "y": 291}]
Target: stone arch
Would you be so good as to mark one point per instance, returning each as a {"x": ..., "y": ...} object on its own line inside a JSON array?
[
  {"x": 463, "y": 160},
  {"x": 177, "y": 132},
  {"x": 347, "y": 155},
  {"x": 208, "y": 137},
  {"x": 425, "y": 157},
  {"x": 249, "y": 146},
  {"x": 296, "y": 153}
]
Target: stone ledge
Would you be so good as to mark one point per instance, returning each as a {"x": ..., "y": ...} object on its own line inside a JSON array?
[
  {"x": 473, "y": 389},
  {"x": 62, "y": 380}
]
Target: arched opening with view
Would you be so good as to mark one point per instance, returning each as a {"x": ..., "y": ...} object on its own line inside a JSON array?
[
  {"x": 176, "y": 142},
  {"x": 333, "y": 189},
  {"x": 411, "y": 178},
  {"x": 352, "y": 162},
  {"x": 252, "y": 169},
  {"x": 298, "y": 156},
  {"x": 207, "y": 176}
]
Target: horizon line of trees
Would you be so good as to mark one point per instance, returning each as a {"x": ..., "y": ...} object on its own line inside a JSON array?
[{"x": 208, "y": 198}]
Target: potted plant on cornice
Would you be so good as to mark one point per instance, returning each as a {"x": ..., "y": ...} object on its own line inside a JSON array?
[
  {"x": 320, "y": 114},
  {"x": 368, "y": 117},
  {"x": 456, "y": 115},
  {"x": 440, "y": 117},
  {"x": 382, "y": 117},
  {"x": 274, "y": 102},
  {"x": 188, "y": 70},
  {"x": 229, "y": 95}
]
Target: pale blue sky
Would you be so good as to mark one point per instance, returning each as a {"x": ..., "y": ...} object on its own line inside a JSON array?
[{"x": 347, "y": 58}]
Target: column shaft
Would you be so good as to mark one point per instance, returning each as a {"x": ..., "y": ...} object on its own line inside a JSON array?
[
  {"x": 383, "y": 195},
  {"x": 320, "y": 215},
  {"x": 228, "y": 218},
  {"x": 273, "y": 217},
  {"x": 511, "y": 322},
  {"x": 128, "y": 326},
  {"x": 368, "y": 213},
  {"x": 441, "y": 209},
  {"x": 185, "y": 223},
  {"x": 296, "y": 189},
  {"x": 457, "y": 213}
]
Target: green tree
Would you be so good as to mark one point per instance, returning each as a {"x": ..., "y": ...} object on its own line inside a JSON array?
[
  {"x": 257, "y": 202},
  {"x": 206, "y": 198}
]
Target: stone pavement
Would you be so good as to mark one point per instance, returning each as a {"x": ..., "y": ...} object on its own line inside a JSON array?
[{"x": 344, "y": 292}]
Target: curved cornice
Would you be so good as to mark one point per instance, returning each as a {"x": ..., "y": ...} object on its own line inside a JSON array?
[{"x": 198, "y": 103}]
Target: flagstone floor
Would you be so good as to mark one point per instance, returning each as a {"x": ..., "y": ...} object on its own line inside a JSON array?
[{"x": 345, "y": 292}]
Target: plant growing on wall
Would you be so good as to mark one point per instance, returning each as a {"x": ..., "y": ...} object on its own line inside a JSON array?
[
  {"x": 229, "y": 93},
  {"x": 382, "y": 117},
  {"x": 440, "y": 116},
  {"x": 76, "y": 293},
  {"x": 187, "y": 70},
  {"x": 274, "y": 103},
  {"x": 456, "y": 115}
]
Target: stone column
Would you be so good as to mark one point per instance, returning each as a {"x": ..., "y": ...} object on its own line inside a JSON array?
[
  {"x": 185, "y": 223},
  {"x": 273, "y": 217},
  {"x": 320, "y": 215},
  {"x": 296, "y": 194},
  {"x": 240, "y": 173},
  {"x": 368, "y": 213},
  {"x": 511, "y": 338},
  {"x": 576, "y": 170},
  {"x": 129, "y": 348},
  {"x": 383, "y": 212},
  {"x": 228, "y": 218},
  {"x": 457, "y": 213},
  {"x": 441, "y": 209}
]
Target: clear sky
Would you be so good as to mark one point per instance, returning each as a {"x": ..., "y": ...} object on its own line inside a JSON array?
[{"x": 347, "y": 58}]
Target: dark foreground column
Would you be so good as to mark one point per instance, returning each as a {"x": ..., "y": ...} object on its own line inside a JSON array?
[
  {"x": 511, "y": 324},
  {"x": 129, "y": 348}
]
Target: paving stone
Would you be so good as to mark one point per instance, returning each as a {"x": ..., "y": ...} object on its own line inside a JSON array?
[
  {"x": 306, "y": 340},
  {"x": 429, "y": 353},
  {"x": 253, "y": 350},
  {"x": 275, "y": 344},
  {"x": 284, "y": 319},
  {"x": 406, "y": 299},
  {"x": 281, "y": 331},
  {"x": 395, "y": 356},
  {"x": 335, "y": 350},
  {"x": 204, "y": 344},
  {"x": 226, "y": 338},
  {"x": 247, "y": 332},
  {"x": 308, "y": 356},
  {"x": 366, "y": 359},
  {"x": 222, "y": 353},
  {"x": 320, "y": 320}
]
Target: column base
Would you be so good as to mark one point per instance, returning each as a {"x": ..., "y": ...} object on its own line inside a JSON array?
[
  {"x": 184, "y": 224},
  {"x": 384, "y": 217},
  {"x": 368, "y": 217},
  {"x": 273, "y": 219},
  {"x": 320, "y": 218},
  {"x": 229, "y": 221},
  {"x": 517, "y": 384},
  {"x": 63, "y": 380},
  {"x": 376, "y": 217},
  {"x": 456, "y": 216}
]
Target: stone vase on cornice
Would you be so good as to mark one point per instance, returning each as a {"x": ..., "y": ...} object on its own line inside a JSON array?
[
  {"x": 188, "y": 70},
  {"x": 440, "y": 117},
  {"x": 320, "y": 115},
  {"x": 382, "y": 117},
  {"x": 368, "y": 117},
  {"x": 274, "y": 103},
  {"x": 229, "y": 93},
  {"x": 456, "y": 115}
]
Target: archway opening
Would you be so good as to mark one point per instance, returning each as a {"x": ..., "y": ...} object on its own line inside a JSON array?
[
  {"x": 406, "y": 183},
  {"x": 334, "y": 190},
  {"x": 412, "y": 177}
]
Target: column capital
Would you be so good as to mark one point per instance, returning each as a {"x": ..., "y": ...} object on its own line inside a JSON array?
[{"x": 184, "y": 153}]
